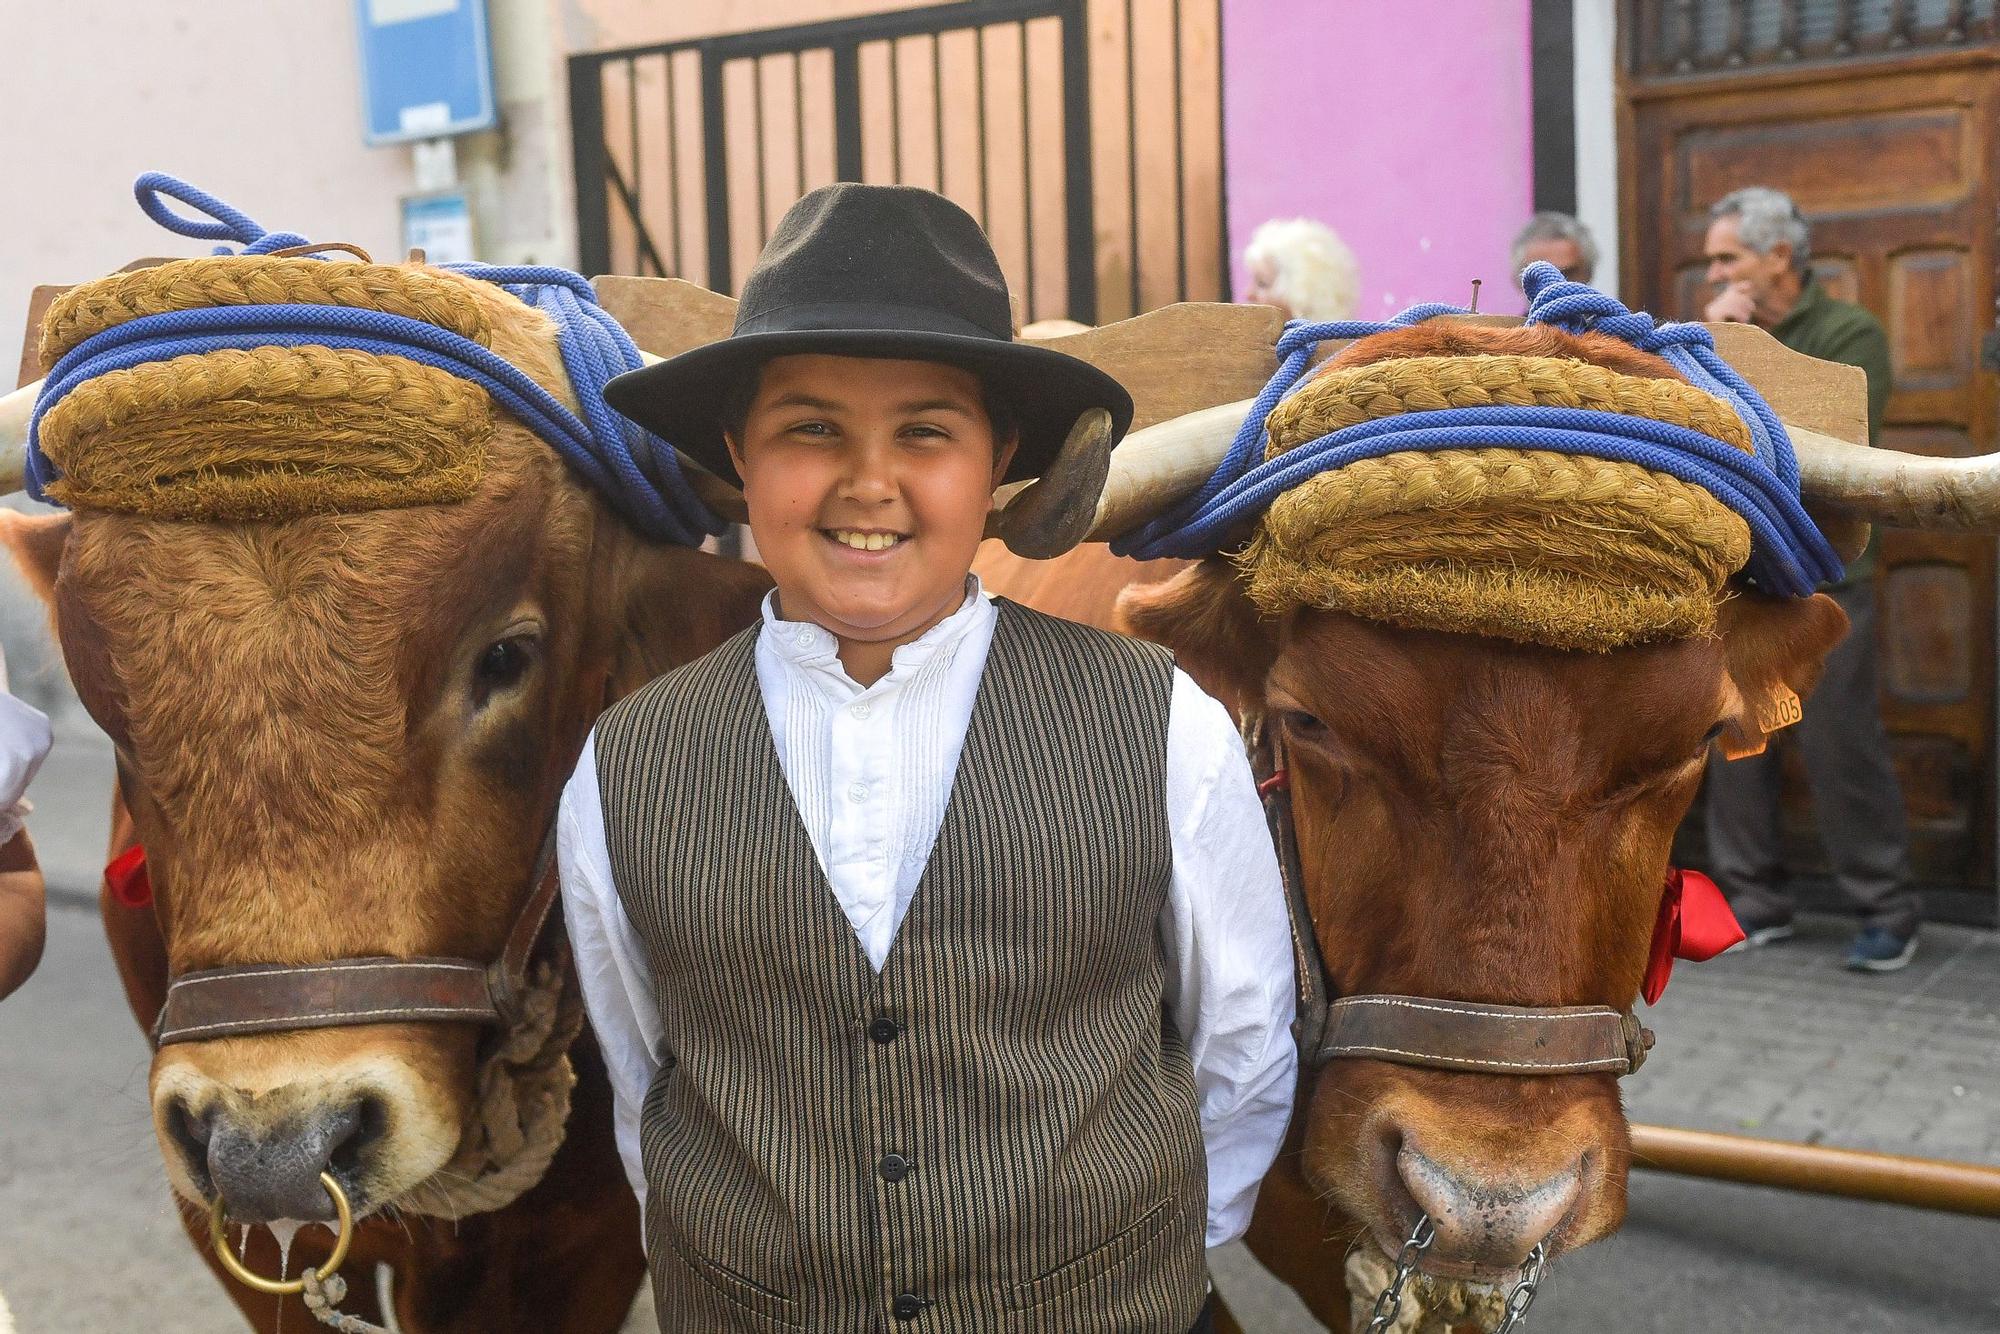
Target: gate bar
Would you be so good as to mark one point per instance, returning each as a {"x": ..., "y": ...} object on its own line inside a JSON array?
[{"x": 1923, "y": 1183}]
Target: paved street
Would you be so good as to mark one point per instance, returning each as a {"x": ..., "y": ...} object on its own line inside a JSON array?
[{"x": 1909, "y": 1063}]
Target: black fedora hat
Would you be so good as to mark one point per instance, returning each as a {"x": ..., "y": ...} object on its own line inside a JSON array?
[{"x": 873, "y": 271}]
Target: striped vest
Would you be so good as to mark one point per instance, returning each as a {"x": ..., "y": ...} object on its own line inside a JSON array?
[{"x": 999, "y": 1132}]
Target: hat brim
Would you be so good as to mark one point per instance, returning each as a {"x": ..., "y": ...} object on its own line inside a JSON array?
[{"x": 681, "y": 399}]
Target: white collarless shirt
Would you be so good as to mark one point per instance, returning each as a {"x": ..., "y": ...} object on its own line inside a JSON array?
[{"x": 871, "y": 769}]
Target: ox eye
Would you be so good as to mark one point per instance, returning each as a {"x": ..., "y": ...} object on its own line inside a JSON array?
[
  {"x": 501, "y": 666},
  {"x": 1303, "y": 726}
]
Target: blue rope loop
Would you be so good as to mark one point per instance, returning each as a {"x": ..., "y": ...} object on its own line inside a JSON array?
[
  {"x": 636, "y": 471},
  {"x": 1788, "y": 554}
]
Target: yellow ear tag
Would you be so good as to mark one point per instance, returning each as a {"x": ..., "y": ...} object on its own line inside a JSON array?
[{"x": 1779, "y": 709}]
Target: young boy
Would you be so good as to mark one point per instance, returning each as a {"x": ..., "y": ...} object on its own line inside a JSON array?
[{"x": 936, "y": 947}]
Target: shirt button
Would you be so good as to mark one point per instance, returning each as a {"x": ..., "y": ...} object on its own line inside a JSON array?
[
  {"x": 805, "y": 638},
  {"x": 857, "y": 791},
  {"x": 861, "y": 710},
  {"x": 894, "y": 1167},
  {"x": 884, "y": 1030},
  {"x": 908, "y": 1306}
]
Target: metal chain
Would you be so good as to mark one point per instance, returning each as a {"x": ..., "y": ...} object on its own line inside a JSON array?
[
  {"x": 1523, "y": 1295},
  {"x": 1389, "y": 1303}
]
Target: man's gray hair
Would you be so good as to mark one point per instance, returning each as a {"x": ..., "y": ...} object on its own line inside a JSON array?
[
  {"x": 1552, "y": 226},
  {"x": 1765, "y": 217}
]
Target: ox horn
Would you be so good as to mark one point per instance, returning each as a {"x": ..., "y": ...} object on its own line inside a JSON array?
[
  {"x": 1900, "y": 490},
  {"x": 15, "y": 410},
  {"x": 1157, "y": 467},
  {"x": 1054, "y": 513}
]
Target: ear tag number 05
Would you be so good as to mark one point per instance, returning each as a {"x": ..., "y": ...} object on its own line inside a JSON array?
[{"x": 1779, "y": 709}]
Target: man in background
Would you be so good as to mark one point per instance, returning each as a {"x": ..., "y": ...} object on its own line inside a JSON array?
[
  {"x": 1559, "y": 239},
  {"x": 1758, "y": 246}
]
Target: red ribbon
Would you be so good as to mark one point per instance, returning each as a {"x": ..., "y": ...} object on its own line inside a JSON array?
[
  {"x": 1695, "y": 923},
  {"x": 127, "y": 880}
]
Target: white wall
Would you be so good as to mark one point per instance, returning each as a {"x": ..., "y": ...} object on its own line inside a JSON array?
[
  {"x": 1596, "y": 84},
  {"x": 259, "y": 103},
  {"x": 256, "y": 102}
]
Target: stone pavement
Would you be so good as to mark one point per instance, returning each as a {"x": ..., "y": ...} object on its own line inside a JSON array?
[{"x": 1783, "y": 1043}]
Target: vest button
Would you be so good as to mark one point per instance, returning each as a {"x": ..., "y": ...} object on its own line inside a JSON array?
[
  {"x": 894, "y": 1167},
  {"x": 908, "y": 1306},
  {"x": 884, "y": 1029}
]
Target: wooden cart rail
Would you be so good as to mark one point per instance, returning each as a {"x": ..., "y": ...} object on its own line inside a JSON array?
[{"x": 1923, "y": 1183}]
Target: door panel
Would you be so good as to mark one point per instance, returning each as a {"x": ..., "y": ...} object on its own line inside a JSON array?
[{"x": 1893, "y": 164}]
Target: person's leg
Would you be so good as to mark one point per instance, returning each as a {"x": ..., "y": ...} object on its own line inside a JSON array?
[
  {"x": 1856, "y": 798},
  {"x": 1743, "y": 850}
]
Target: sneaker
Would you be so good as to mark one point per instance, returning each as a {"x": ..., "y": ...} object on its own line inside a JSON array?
[
  {"x": 1759, "y": 932},
  {"x": 1879, "y": 950}
]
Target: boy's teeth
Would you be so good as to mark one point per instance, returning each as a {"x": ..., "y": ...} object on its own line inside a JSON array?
[{"x": 865, "y": 541}]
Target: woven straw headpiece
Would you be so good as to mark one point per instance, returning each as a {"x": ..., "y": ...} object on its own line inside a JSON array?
[
  {"x": 272, "y": 431},
  {"x": 266, "y": 384},
  {"x": 1589, "y": 479},
  {"x": 1565, "y": 550}
]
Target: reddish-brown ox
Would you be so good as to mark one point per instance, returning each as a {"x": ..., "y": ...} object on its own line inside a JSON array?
[
  {"x": 342, "y": 735},
  {"x": 1478, "y": 820}
]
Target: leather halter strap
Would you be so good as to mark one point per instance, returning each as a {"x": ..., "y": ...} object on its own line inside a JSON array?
[
  {"x": 1417, "y": 1030},
  {"x": 282, "y": 998}
]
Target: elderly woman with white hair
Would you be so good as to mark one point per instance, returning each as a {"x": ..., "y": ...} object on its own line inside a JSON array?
[{"x": 1303, "y": 268}]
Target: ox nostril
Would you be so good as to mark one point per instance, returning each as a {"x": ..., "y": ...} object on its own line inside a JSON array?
[
  {"x": 1487, "y": 1225},
  {"x": 349, "y": 1154},
  {"x": 268, "y": 1172},
  {"x": 190, "y": 1131}
]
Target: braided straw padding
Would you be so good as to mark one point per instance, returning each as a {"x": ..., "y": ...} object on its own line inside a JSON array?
[
  {"x": 1340, "y": 397},
  {"x": 1562, "y": 550},
  {"x": 268, "y": 433},
  {"x": 410, "y": 290}
]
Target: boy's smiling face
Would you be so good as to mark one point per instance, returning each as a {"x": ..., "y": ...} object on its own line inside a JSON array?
[{"x": 868, "y": 483}]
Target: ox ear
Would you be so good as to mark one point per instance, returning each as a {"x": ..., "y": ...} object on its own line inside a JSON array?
[
  {"x": 1206, "y": 618},
  {"x": 1774, "y": 649},
  {"x": 675, "y": 604},
  {"x": 37, "y": 542}
]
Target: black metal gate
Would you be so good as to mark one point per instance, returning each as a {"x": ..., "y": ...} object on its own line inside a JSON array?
[{"x": 687, "y": 153}]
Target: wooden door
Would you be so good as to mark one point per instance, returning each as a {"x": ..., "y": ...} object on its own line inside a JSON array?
[{"x": 1893, "y": 161}]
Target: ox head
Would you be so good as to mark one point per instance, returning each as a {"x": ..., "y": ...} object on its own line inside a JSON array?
[
  {"x": 1485, "y": 819},
  {"x": 341, "y": 727}
]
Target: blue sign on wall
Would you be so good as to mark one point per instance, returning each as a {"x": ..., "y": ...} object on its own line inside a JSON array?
[{"x": 426, "y": 68}]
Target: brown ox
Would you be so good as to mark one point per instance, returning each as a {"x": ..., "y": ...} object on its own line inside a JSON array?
[
  {"x": 1478, "y": 820},
  {"x": 343, "y": 735}
]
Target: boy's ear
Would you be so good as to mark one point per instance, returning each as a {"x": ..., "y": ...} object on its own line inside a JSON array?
[{"x": 1003, "y": 458}]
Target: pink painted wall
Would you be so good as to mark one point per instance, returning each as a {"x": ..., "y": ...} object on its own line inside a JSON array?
[{"x": 1404, "y": 126}]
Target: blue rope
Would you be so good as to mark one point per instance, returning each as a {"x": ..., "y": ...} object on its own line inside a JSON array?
[
  {"x": 1788, "y": 555},
  {"x": 634, "y": 469}
]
